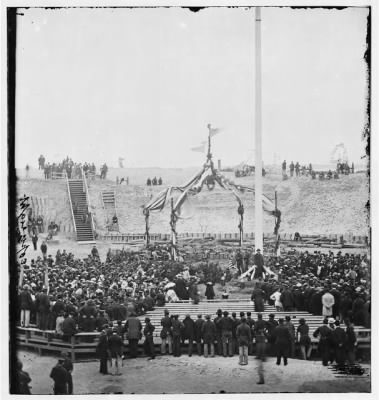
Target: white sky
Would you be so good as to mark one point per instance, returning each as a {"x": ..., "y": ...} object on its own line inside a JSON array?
[{"x": 97, "y": 84}]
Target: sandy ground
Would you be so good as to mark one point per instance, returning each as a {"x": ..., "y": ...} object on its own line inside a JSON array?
[
  {"x": 197, "y": 374},
  {"x": 308, "y": 206}
]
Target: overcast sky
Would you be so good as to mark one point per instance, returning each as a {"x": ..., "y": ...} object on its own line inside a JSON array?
[{"x": 142, "y": 84}]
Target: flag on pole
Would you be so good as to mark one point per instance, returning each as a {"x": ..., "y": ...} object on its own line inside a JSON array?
[
  {"x": 200, "y": 149},
  {"x": 214, "y": 131}
]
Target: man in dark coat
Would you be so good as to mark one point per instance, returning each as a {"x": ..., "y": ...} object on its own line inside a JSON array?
[
  {"x": 283, "y": 339},
  {"x": 198, "y": 332},
  {"x": 166, "y": 334},
  {"x": 102, "y": 352},
  {"x": 226, "y": 325},
  {"x": 243, "y": 333},
  {"x": 351, "y": 342},
  {"x": 325, "y": 337},
  {"x": 209, "y": 291},
  {"x": 258, "y": 296},
  {"x": 23, "y": 380},
  {"x": 188, "y": 332},
  {"x": 176, "y": 330},
  {"x": 287, "y": 299},
  {"x": 259, "y": 263},
  {"x": 115, "y": 350},
  {"x": 271, "y": 324},
  {"x": 181, "y": 290},
  {"x": 208, "y": 332},
  {"x": 61, "y": 378},
  {"x": 34, "y": 240},
  {"x": 148, "y": 345},
  {"x": 133, "y": 328},
  {"x": 43, "y": 309},
  {"x": 339, "y": 342},
  {"x": 44, "y": 250},
  {"x": 260, "y": 339},
  {"x": 26, "y": 304},
  {"x": 88, "y": 315},
  {"x": 68, "y": 328},
  {"x": 218, "y": 331}
]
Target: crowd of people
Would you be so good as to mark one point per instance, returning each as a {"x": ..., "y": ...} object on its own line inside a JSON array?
[
  {"x": 154, "y": 181},
  {"x": 68, "y": 295},
  {"x": 72, "y": 169},
  {"x": 295, "y": 169}
]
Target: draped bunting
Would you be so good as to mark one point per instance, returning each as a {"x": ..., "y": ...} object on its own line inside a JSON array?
[{"x": 208, "y": 175}]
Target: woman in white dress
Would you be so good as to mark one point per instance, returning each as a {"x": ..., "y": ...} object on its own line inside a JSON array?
[{"x": 276, "y": 297}]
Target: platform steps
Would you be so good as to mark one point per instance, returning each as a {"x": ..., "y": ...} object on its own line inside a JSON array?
[{"x": 84, "y": 232}]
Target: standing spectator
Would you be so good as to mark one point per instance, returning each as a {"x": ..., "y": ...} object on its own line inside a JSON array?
[
  {"x": 260, "y": 339},
  {"x": 198, "y": 332},
  {"x": 257, "y": 297},
  {"x": 284, "y": 167},
  {"x": 243, "y": 334},
  {"x": 327, "y": 300},
  {"x": 115, "y": 350},
  {"x": 42, "y": 308},
  {"x": 68, "y": 327},
  {"x": 209, "y": 291},
  {"x": 102, "y": 351},
  {"x": 324, "y": 341},
  {"x": 67, "y": 365},
  {"x": 276, "y": 297},
  {"x": 291, "y": 328},
  {"x": 34, "y": 240},
  {"x": 133, "y": 327},
  {"x": 218, "y": 331},
  {"x": 292, "y": 167},
  {"x": 25, "y": 302},
  {"x": 287, "y": 299},
  {"x": 166, "y": 334},
  {"x": 40, "y": 224},
  {"x": 61, "y": 378},
  {"x": 303, "y": 339},
  {"x": 149, "y": 340},
  {"x": 282, "y": 338},
  {"x": 339, "y": 341},
  {"x": 271, "y": 324},
  {"x": 44, "y": 249},
  {"x": 208, "y": 332},
  {"x": 351, "y": 342},
  {"x": 259, "y": 264},
  {"x": 176, "y": 330},
  {"x": 188, "y": 332},
  {"x": 23, "y": 380},
  {"x": 226, "y": 324}
]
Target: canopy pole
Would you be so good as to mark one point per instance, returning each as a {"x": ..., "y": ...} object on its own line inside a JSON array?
[
  {"x": 258, "y": 134},
  {"x": 147, "y": 214},
  {"x": 173, "y": 230}
]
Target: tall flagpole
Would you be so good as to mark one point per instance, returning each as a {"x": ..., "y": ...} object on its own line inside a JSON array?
[{"x": 258, "y": 134}]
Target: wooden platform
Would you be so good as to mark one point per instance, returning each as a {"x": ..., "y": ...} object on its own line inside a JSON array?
[{"x": 85, "y": 342}]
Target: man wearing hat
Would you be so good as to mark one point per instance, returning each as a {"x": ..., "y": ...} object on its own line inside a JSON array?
[
  {"x": 259, "y": 264},
  {"x": 243, "y": 333},
  {"x": 198, "y": 332},
  {"x": 226, "y": 325},
  {"x": 25, "y": 302},
  {"x": 339, "y": 343},
  {"x": 282, "y": 339},
  {"x": 61, "y": 378},
  {"x": 218, "y": 331},
  {"x": 303, "y": 339},
  {"x": 115, "y": 349},
  {"x": 325, "y": 334},
  {"x": 271, "y": 324},
  {"x": 209, "y": 332},
  {"x": 327, "y": 303},
  {"x": 133, "y": 328},
  {"x": 166, "y": 335},
  {"x": 176, "y": 329},
  {"x": 188, "y": 332}
]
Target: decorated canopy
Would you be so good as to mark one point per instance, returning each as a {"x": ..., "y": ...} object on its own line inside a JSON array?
[{"x": 208, "y": 176}]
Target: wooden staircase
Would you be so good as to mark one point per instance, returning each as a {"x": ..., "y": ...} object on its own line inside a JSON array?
[
  {"x": 108, "y": 198},
  {"x": 79, "y": 206}
]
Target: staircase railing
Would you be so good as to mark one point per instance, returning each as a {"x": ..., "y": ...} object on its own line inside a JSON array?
[
  {"x": 69, "y": 198},
  {"x": 85, "y": 190}
]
